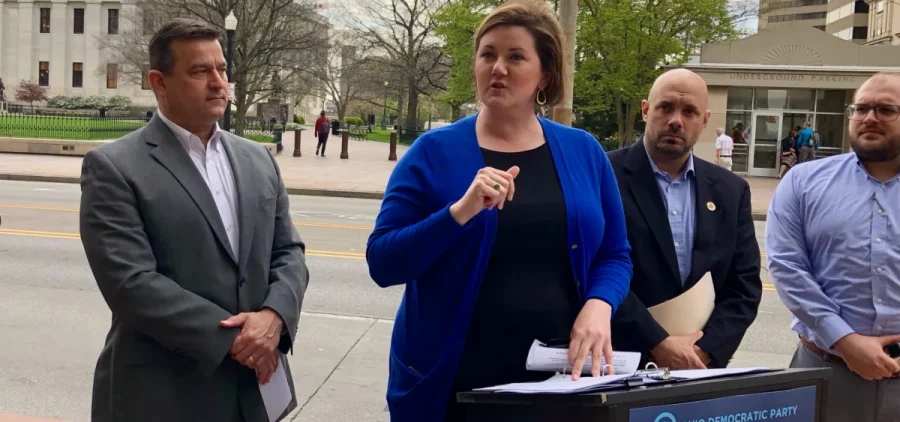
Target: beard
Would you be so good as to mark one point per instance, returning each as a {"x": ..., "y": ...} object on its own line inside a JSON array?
[
  {"x": 886, "y": 149},
  {"x": 669, "y": 148}
]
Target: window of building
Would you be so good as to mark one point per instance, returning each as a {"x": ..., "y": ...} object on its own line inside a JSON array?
[
  {"x": 740, "y": 99},
  {"x": 112, "y": 76},
  {"x": 860, "y": 6},
  {"x": 147, "y": 21},
  {"x": 45, "y": 20},
  {"x": 775, "y": 5},
  {"x": 113, "y": 22},
  {"x": 860, "y": 32},
  {"x": 79, "y": 21},
  {"x": 797, "y": 17},
  {"x": 785, "y": 99},
  {"x": 77, "y": 75},
  {"x": 145, "y": 80},
  {"x": 44, "y": 73}
]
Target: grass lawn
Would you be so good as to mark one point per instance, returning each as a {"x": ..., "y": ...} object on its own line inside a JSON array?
[
  {"x": 68, "y": 128},
  {"x": 79, "y": 128},
  {"x": 383, "y": 135}
]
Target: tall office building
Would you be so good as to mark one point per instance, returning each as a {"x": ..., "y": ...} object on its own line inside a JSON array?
[
  {"x": 860, "y": 21},
  {"x": 884, "y": 22}
]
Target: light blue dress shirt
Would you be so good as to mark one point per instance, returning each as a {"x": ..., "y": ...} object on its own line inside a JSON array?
[
  {"x": 833, "y": 248},
  {"x": 679, "y": 197}
]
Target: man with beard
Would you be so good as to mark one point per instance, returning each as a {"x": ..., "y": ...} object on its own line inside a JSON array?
[
  {"x": 833, "y": 252},
  {"x": 685, "y": 217}
]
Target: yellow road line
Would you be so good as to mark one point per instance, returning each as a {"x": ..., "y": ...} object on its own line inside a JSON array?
[
  {"x": 296, "y": 223},
  {"x": 76, "y": 236},
  {"x": 310, "y": 252}
]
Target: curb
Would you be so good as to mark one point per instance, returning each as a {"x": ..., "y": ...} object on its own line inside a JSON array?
[
  {"x": 291, "y": 191},
  {"x": 757, "y": 216}
]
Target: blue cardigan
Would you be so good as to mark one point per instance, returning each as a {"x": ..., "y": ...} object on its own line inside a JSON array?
[{"x": 417, "y": 243}]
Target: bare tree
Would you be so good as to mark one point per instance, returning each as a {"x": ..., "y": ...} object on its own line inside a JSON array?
[
  {"x": 403, "y": 32},
  {"x": 743, "y": 11},
  {"x": 272, "y": 37},
  {"x": 343, "y": 72}
]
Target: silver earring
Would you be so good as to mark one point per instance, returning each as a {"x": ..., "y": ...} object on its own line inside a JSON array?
[{"x": 541, "y": 97}]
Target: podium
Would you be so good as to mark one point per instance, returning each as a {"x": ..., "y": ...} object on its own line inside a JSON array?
[{"x": 788, "y": 395}]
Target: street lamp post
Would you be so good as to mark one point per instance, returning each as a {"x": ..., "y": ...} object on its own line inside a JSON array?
[
  {"x": 230, "y": 27},
  {"x": 384, "y": 118}
]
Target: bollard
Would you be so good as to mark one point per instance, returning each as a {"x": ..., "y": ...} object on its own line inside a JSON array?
[
  {"x": 297, "y": 142},
  {"x": 345, "y": 141},
  {"x": 393, "y": 154}
]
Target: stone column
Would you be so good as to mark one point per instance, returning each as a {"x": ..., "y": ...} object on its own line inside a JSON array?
[
  {"x": 93, "y": 28},
  {"x": 27, "y": 69},
  {"x": 59, "y": 59},
  {"x": 3, "y": 25}
]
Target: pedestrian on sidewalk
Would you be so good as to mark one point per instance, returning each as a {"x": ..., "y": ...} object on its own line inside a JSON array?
[
  {"x": 504, "y": 227},
  {"x": 724, "y": 149},
  {"x": 805, "y": 145},
  {"x": 321, "y": 132},
  {"x": 835, "y": 260},
  {"x": 188, "y": 233}
]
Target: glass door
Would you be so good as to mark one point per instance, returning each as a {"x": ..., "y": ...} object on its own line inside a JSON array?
[{"x": 765, "y": 144}]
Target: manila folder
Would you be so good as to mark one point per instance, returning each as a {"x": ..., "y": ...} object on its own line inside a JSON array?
[{"x": 689, "y": 312}]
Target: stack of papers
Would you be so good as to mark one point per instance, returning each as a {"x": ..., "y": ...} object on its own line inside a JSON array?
[
  {"x": 563, "y": 383},
  {"x": 560, "y": 384},
  {"x": 552, "y": 359}
]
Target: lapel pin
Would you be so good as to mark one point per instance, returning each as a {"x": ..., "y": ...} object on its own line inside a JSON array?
[{"x": 710, "y": 206}]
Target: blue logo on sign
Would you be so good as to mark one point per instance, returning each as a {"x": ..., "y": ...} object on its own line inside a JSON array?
[{"x": 665, "y": 417}]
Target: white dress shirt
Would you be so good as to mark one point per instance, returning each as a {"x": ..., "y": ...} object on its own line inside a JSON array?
[
  {"x": 725, "y": 145},
  {"x": 212, "y": 163}
]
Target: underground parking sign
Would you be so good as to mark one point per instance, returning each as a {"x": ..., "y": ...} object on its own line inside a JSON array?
[{"x": 794, "y": 405}]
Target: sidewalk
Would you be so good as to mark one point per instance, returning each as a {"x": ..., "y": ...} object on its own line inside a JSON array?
[{"x": 363, "y": 175}]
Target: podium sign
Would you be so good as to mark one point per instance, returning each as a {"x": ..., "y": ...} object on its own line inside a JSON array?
[{"x": 794, "y": 405}]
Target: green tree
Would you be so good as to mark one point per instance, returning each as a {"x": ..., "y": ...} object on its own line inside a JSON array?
[
  {"x": 456, "y": 23},
  {"x": 624, "y": 45}
]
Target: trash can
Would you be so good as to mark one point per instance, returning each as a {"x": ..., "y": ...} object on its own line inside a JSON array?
[{"x": 335, "y": 127}]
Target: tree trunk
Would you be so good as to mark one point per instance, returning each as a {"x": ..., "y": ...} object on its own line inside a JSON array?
[
  {"x": 455, "y": 112},
  {"x": 629, "y": 123},
  {"x": 620, "y": 119},
  {"x": 412, "y": 118}
]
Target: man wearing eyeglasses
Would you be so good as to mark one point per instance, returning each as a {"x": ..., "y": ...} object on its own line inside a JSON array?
[{"x": 833, "y": 249}]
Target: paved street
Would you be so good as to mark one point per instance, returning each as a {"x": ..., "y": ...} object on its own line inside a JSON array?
[
  {"x": 365, "y": 173},
  {"x": 55, "y": 320}
]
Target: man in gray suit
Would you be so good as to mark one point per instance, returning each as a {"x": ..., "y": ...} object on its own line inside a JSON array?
[{"x": 189, "y": 237}]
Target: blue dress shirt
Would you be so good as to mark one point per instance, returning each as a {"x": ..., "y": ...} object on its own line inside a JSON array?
[
  {"x": 833, "y": 247},
  {"x": 679, "y": 198}
]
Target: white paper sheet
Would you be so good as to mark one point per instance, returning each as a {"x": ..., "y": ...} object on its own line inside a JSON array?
[
  {"x": 698, "y": 374},
  {"x": 551, "y": 359},
  {"x": 563, "y": 384},
  {"x": 689, "y": 312},
  {"x": 557, "y": 384},
  {"x": 276, "y": 393}
]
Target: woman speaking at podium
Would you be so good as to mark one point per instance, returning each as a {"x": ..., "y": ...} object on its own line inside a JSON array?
[{"x": 504, "y": 227}]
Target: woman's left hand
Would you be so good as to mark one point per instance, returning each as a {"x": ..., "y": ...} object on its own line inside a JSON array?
[{"x": 591, "y": 334}]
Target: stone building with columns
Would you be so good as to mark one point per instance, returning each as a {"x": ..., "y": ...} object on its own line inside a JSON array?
[
  {"x": 56, "y": 43},
  {"x": 766, "y": 84}
]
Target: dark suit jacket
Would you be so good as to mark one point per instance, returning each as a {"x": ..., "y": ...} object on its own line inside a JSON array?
[
  {"x": 161, "y": 258},
  {"x": 725, "y": 245}
]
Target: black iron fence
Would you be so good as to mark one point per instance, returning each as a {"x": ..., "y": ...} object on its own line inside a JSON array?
[
  {"x": 70, "y": 127},
  {"x": 87, "y": 126}
]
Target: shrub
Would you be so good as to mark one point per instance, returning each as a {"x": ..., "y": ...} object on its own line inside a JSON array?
[{"x": 298, "y": 119}]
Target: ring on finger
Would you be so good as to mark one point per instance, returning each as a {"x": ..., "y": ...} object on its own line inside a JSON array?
[{"x": 496, "y": 186}]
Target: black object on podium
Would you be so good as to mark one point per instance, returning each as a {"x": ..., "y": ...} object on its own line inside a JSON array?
[{"x": 789, "y": 395}]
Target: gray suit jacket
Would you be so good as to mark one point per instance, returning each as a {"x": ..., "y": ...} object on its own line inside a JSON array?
[{"x": 161, "y": 258}]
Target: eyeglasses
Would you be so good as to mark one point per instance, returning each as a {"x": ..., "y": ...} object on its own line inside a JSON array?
[{"x": 883, "y": 112}]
